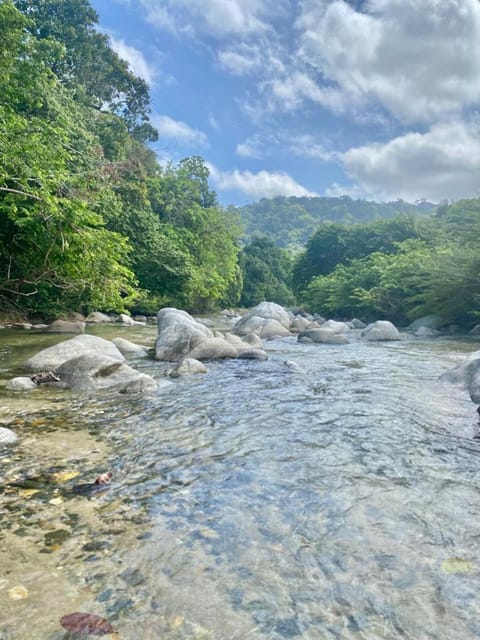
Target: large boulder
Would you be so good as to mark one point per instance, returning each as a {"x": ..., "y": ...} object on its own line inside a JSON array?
[
  {"x": 265, "y": 311},
  {"x": 266, "y": 328},
  {"x": 213, "y": 349},
  {"x": 66, "y": 326},
  {"x": 98, "y": 318},
  {"x": 381, "y": 331},
  {"x": 52, "y": 357},
  {"x": 178, "y": 334},
  {"x": 91, "y": 371},
  {"x": 336, "y": 327},
  {"x": 430, "y": 322},
  {"x": 467, "y": 374},
  {"x": 458, "y": 374}
]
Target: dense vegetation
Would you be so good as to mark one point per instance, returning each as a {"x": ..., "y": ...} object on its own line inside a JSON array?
[
  {"x": 90, "y": 220},
  {"x": 399, "y": 269},
  {"x": 291, "y": 221}
]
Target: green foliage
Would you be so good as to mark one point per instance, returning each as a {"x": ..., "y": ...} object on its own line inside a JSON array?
[
  {"x": 88, "y": 218},
  {"x": 266, "y": 273},
  {"x": 378, "y": 286},
  {"x": 335, "y": 244}
]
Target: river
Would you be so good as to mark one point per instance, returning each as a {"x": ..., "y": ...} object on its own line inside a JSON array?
[{"x": 336, "y": 501}]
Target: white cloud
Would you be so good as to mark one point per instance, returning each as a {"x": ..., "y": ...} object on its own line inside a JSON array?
[
  {"x": 135, "y": 59},
  {"x": 217, "y": 18},
  {"x": 179, "y": 131},
  {"x": 417, "y": 58},
  {"x": 443, "y": 163},
  {"x": 264, "y": 184}
]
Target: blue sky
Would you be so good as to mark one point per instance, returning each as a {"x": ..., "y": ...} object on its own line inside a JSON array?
[{"x": 369, "y": 98}]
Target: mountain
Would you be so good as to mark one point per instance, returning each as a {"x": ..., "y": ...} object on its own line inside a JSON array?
[{"x": 290, "y": 221}]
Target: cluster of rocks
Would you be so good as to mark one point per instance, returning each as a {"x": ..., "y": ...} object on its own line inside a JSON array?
[
  {"x": 86, "y": 363},
  {"x": 77, "y": 322}
]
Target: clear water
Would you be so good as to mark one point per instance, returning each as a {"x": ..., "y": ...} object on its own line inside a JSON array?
[{"x": 338, "y": 501}]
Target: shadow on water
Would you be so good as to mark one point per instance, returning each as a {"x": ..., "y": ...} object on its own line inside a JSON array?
[{"x": 337, "y": 500}]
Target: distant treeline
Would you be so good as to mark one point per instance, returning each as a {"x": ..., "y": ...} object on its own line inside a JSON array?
[{"x": 291, "y": 221}]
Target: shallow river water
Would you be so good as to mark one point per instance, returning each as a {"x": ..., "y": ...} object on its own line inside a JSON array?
[{"x": 337, "y": 501}]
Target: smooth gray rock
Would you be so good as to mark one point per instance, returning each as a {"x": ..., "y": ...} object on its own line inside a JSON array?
[
  {"x": 187, "y": 367},
  {"x": 130, "y": 349},
  {"x": 66, "y": 326},
  {"x": 98, "y": 318},
  {"x": 431, "y": 322},
  {"x": 357, "y": 324},
  {"x": 323, "y": 336},
  {"x": 98, "y": 372},
  {"x": 7, "y": 436},
  {"x": 381, "y": 331},
  {"x": 335, "y": 326},
  {"x": 213, "y": 349},
  {"x": 178, "y": 334},
  {"x": 21, "y": 383},
  {"x": 53, "y": 357},
  {"x": 458, "y": 374},
  {"x": 265, "y": 310}
]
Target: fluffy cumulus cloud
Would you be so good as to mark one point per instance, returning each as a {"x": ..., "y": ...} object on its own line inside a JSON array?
[
  {"x": 179, "y": 131},
  {"x": 416, "y": 58},
  {"x": 443, "y": 163},
  {"x": 218, "y": 18},
  {"x": 264, "y": 184},
  {"x": 135, "y": 59}
]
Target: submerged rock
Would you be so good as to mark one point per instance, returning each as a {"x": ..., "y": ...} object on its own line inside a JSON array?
[
  {"x": 7, "y": 436},
  {"x": 95, "y": 371},
  {"x": 21, "y": 383},
  {"x": 187, "y": 367}
]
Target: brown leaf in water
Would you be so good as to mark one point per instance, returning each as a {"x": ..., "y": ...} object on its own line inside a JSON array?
[{"x": 86, "y": 624}]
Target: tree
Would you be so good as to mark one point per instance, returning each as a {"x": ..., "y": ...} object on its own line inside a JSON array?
[{"x": 266, "y": 273}]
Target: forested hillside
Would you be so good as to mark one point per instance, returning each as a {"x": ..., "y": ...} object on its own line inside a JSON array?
[
  {"x": 88, "y": 218},
  {"x": 290, "y": 222}
]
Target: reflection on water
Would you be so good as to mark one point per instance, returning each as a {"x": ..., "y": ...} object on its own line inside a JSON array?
[{"x": 337, "y": 501}]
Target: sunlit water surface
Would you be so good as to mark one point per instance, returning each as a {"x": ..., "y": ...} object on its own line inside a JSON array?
[{"x": 337, "y": 501}]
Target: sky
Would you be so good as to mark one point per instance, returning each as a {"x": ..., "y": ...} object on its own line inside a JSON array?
[{"x": 376, "y": 99}]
